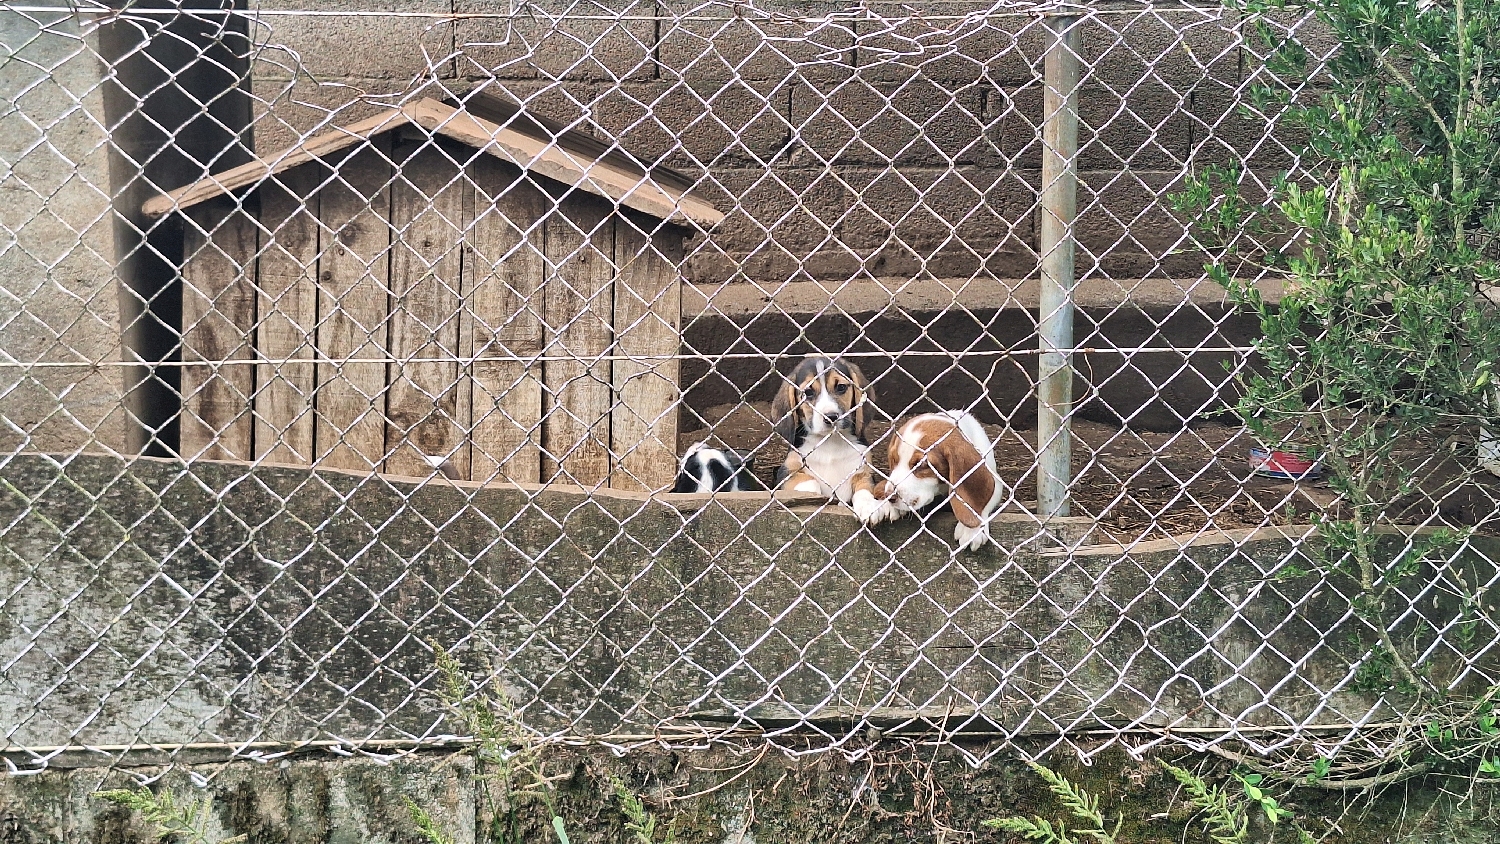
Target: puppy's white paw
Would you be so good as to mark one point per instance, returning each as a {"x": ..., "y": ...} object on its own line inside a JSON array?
[
  {"x": 867, "y": 508},
  {"x": 809, "y": 485},
  {"x": 971, "y": 538},
  {"x": 885, "y": 511}
]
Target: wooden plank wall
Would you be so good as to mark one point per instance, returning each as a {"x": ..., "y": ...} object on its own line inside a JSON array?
[
  {"x": 504, "y": 265},
  {"x": 540, "y": 330},
  {"x": 287, "y": 315},
  {"x": 218, "y": 319},
  {"x": 647, "y": 323},
  {"x": 354, "y": 304},
  {"x": 579, "y": 295},
  {"x": 427, "y": 414}
]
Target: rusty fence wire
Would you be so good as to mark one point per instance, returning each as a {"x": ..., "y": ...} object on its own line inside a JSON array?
[{"x": 331, "y": 338}]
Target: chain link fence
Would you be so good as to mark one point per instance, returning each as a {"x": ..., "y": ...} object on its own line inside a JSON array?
[{"x": 335, "y": 336}]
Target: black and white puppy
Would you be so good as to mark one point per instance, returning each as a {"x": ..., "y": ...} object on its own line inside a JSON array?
[
  {"x": 823, "y": 412},
  {"x": 708, "y": 469}
]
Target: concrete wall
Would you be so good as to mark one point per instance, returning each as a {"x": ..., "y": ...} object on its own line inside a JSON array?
[
  {"x": 868, "y": 167},
  {"x": 173, "y": 604},
  {"x": 728, "y": 795},
  {"x": 60, "y": 383},
  {"x": 846, "y": 148}
]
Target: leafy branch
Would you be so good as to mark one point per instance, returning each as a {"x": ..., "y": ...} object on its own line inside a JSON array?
[
  {"x": 1223, "y": 817},
  {"x": 506, "y": 753},
  {"x": 1383, "y": 341},
  {"x": 1083, "y": 806},
  {"x": 639, "y": 822},
  {"x": 187, "y": 822}
]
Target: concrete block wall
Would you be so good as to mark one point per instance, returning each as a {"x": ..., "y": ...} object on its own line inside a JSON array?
[
  {"x": 842, "y": 148},
  {"x": 60, "y": 385}
]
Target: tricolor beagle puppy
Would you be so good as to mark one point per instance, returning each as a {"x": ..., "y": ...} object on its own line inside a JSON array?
[
  {"x": 823, "y": 412},
  {"x": 938, "y": 451}
]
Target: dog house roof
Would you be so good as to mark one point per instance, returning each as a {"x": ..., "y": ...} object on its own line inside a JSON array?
[{"x": 496, "y": 127}]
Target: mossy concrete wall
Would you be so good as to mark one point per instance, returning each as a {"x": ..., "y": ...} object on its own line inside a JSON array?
[
  {"x": 219, "y": 604},
  {"x": 893, "y": 794}
]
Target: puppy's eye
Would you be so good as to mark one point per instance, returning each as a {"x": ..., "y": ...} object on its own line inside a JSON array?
[
  {"x": 841, "y": 389},
  {"x": 810, "y": 393}
]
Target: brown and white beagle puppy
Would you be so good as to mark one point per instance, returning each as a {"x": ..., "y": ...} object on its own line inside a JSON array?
[
  {"x": 823, "y": 411},
  {"x": 948, "y": 451}
]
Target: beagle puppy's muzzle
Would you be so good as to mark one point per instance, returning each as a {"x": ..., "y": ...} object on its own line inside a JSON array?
[
  {"x": 938, "y": 452},
  {"x": 823, "y": 412},
  {"x": 822, "y": 395}
]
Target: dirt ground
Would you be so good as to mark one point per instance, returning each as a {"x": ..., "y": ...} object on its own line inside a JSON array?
[{"x": 1138, "y": 485}]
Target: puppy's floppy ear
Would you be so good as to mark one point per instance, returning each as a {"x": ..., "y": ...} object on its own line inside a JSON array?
[
  {"x": 784, "y": 417},
  {"x": 970, "y": 484},
  {"x": 745, "y": 478},
  {"x": 864, "y": 402},
  {"x": 686, "y": 480}
]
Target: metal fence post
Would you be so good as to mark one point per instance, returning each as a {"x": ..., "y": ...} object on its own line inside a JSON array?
[{"x": 1058, "y": 205}]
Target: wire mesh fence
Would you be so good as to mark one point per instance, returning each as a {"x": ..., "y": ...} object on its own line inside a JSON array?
[{"x": 334, "y": 337}]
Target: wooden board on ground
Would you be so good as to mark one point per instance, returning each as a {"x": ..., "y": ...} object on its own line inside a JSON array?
[{"x": 218, "y": 319}]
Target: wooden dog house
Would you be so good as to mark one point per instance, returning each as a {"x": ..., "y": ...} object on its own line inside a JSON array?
[{"x": 436, "y": 283}]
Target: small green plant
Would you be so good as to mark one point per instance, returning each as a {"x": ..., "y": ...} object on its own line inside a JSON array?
[
  {"x": 1080, "y": 804},
  {"x": 1375, "y": 672},
  {"x": 1258, "y": 797},
  {"x": 1319, "y": 770},
  {"x": 509, "y": 757},
  {"x": 1485, "y": 719},
  {"x": 506, "y": 753},
  {"x": 639, "y": 822},
  {"x": 426, "y": 826},
  {"x": 1223, "y": 811},
  {"x": 1223, "y": 816},
  {"x": 183, "y": 821}
]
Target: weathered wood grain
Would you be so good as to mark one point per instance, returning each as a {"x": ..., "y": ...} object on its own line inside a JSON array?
[
  {"x": 353, "y": 304},
  {"x": 579, "y": 316},
  {"x": 249, "y": 173},
  {"x": 427, "y": 413},
  {"x": 648, "y": 314},
  {"x": 503, "y": 272},
  {"x": 218, "y": 321},
  {"x": 286, "y": 316},
  {"x": 599, "y": 177}
]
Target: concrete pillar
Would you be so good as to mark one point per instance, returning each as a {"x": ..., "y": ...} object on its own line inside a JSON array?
[{"x": 60, "y": 382}]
